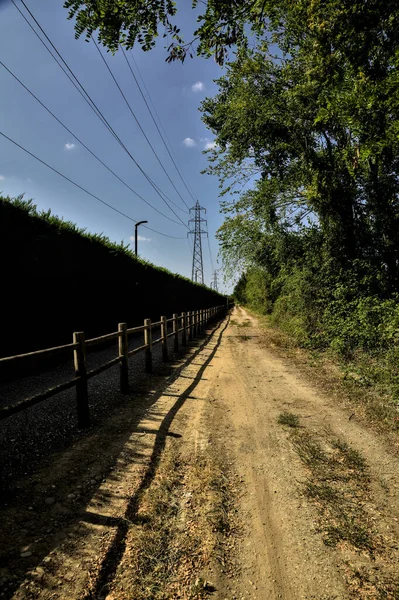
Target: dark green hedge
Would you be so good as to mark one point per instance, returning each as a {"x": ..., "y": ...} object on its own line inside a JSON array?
[{"x": 57, "y": 279}]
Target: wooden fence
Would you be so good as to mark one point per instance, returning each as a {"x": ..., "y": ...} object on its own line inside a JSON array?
[{"x": 189, "y": 324}]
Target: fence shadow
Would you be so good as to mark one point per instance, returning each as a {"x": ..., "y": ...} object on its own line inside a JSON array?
[{"x": 115, "y": 552}]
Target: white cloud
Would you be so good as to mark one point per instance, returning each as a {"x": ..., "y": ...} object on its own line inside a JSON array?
[
  {"x": 189, "y": 142},
  {"x": 140, "y": 238},
  {"x": 198, "y": 87},
  {"x": 208, "y": 144},
  {"x": 69, "y": 146},
  {"x": 2, "y": 177}
]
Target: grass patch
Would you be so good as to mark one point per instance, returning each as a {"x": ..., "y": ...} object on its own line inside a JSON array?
[
  {"x": 338, "y": 484},
  {"x": 288, "y": 418}
]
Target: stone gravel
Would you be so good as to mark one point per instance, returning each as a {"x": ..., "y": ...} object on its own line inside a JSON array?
[{"x": 27, "y": 438}]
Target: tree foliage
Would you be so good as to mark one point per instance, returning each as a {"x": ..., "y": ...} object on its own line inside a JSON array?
[
  {"x": 222, "y": 24},
  {"x": 317, "y": 125}
]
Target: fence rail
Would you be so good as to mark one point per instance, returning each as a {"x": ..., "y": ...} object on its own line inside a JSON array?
[{"x": 189, "y": 325}]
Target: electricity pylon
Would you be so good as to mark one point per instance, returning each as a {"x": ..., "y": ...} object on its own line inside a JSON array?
[
  {"x": 197, "y": 273},
  {"x": 214, "y": 282}
]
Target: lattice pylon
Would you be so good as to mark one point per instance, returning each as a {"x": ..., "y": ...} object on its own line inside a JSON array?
[
  {"x": 214, "y": 282},
  {"x": 197, "y": 272}
]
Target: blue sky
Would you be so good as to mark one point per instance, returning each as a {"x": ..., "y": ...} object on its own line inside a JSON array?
[{"x": 175, "y": 89}]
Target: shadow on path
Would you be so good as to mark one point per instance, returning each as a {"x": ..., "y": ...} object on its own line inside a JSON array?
[{"x": 115, "y": 553}]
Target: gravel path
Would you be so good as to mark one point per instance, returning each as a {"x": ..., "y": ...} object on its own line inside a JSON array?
[{"x": 27, "y": 438}]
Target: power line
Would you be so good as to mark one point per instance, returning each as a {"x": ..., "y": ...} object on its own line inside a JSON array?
[
  {"x": 210, "y": 253},
  {"x": 139, "y": 125},
  {"x": 97, "y": 111},
  {"x": 53, "y": 56},
  {"x": 82, "y": 188},
  {"x": 84, "y": 145},
  {"x": 154, "y": 121},
  {"x": 188, "y": 188}
]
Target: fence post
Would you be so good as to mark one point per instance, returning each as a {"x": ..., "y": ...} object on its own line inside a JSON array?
[
  {"x": 124, "y": 358},
  {"x": 164, "y": 332},
  {"x": 190, "y": 325},
  {"x": 176, "y": 332},
  {"x": 184, "y": 325},
  {"x": 148, "y": 343},
  {"x": 82, "y": 397}
]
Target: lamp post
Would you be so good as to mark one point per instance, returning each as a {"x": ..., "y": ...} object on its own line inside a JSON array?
[{"x": 135, "y": 234}]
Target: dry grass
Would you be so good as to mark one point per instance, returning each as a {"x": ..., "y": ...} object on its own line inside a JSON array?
[
  {"x": 338, "y": 480},
  {"x": 183, "y": 524},
  {"x": 288, "y": 418},
  {"x": 338, "y": 484}
]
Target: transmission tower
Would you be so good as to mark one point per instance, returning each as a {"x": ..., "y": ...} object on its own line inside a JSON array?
[
  {"x": 197, "y": 222},
  {"x": 214, "y": 282}
]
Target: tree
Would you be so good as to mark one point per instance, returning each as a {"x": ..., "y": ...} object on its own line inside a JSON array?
[{"x": 317, "y": 124}]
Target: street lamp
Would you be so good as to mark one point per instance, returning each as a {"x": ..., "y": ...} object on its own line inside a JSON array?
[{"x": 135, "y": 235}]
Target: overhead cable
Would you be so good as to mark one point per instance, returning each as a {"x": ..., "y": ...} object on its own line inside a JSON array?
[
  {"x": 84, "y": 189},
  {"x": 167, "y": 143},
  {"x": 98, "y": 113},
  {"x": 84, "y": 145},
  {"x": 156, "y": 125},
  {"x": 139, "y": 125}
]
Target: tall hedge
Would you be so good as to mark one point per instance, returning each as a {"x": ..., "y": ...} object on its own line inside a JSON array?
[{"x": 58, "y": 279}]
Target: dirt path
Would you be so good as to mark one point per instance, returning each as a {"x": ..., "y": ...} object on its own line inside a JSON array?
[{"x": 238, "y": 480}]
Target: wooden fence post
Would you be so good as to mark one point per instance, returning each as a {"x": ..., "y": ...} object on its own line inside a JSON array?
[
  {"x": 184, "y": 325},
  {"x": 190, "y": 325},
  {"x": 176, "y": 332},
  {"x": 82, "y": 397},
  {"x": 124, "y": 358},
  {"x": 164, "y": 333},
  {"x": 148, "y": 343}
]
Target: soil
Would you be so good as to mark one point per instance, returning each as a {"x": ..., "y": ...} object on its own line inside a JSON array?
[{"x": 80, "y": 526}]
